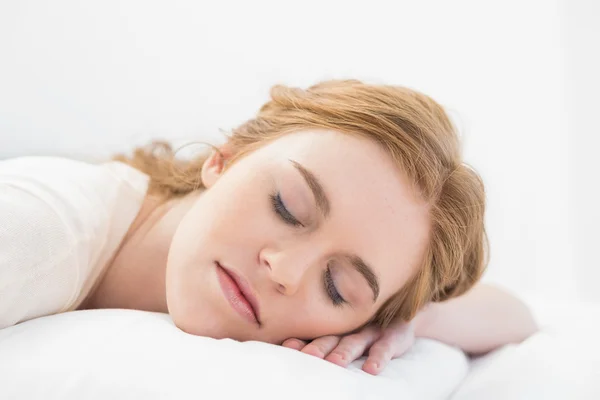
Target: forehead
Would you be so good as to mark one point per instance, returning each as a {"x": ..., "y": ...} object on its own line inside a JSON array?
[{"x": 375, "y": 212}]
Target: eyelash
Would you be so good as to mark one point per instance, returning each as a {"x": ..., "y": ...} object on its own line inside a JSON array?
[
  {"x": 331, "y": 290},
  {"x": 287, "y": 217},
  {"x": 281, "y": 210}
]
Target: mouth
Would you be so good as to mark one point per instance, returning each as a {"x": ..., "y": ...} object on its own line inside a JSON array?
[{"x": 239, "y": 294}]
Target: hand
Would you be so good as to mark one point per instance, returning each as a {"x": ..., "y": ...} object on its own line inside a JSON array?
[{"x": 382, "y": 346}]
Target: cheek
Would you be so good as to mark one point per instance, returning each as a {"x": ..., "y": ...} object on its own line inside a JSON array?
[
  {"x": 312, "y": 317},
  {"x": 238, "y": 221}
]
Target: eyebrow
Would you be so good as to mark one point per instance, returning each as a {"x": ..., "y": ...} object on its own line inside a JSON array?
[
  {"x": 316, "y": 188},
  {"x": 324, "y": 207},
  {"x": 367, "y": 272}
]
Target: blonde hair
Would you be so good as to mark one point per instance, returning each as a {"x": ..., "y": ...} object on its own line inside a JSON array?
[{"x": 417, "y": 134}]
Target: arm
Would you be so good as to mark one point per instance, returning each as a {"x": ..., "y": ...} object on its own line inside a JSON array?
[{"x": 479, "y": 321}]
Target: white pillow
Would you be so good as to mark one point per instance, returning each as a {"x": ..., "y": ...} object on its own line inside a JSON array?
[{"x": 111, "y": 354}]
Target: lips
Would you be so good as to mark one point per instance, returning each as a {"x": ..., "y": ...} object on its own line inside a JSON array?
[{"x": 243, "y": 290}]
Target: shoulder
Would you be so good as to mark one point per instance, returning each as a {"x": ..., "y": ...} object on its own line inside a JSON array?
[
  {"x": 60, "y": 217},
  {"x": 56, "y": 173},
  {"x": 36, "y": 249},
  {"x": 79, "y": 192}
]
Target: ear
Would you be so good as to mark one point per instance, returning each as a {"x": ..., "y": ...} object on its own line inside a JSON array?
[{"x": 214, "y": 166}]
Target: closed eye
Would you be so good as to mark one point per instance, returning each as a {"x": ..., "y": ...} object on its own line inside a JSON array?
[
  {"x": 331, "y": 290},
  {"x": 282, "y": 211}
]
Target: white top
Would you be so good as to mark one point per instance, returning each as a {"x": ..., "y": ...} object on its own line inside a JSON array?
[{"x": 61, "y": 221}]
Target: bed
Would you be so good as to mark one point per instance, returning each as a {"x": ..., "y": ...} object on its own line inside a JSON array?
[{"x": 99, "y": 354}]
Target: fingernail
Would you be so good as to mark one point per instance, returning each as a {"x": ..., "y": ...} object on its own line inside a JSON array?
[
  {"x": 313, "y": 350},
  {"x": 374, "y": 365},
  {"x": 292, "y": 345}
]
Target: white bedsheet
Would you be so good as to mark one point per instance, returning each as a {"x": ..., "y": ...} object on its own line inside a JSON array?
[{"x": 101, "y": 354}]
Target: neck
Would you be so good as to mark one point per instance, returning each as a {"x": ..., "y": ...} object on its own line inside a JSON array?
[{"x": 135, "y": 277}]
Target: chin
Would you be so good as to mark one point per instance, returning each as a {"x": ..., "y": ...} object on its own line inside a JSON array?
[
  {"x": 203, "y": 321},
  {"x": 196, "y": 322}
]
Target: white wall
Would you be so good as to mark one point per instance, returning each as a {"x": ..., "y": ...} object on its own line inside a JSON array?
[
  {"x": 582, "y": 20},
  {"x": 90, "y": 78}
]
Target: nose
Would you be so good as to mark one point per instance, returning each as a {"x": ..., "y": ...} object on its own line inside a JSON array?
[{"x": 288, "y": 268}]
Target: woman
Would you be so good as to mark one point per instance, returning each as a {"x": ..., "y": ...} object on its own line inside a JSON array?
[{"x": 341, "y": 220}]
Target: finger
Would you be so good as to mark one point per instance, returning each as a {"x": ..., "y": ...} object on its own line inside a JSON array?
[
  {"x": 394, "y": 342},
  {"x": 380, "y": 355},
  {"x": 353, "y": 346},
  {"x": 322, "y": 346},
  {"x": 295, "y": 344},
  {"x": 401, "y": 336}
]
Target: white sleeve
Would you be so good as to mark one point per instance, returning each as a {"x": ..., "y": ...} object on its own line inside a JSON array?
[
  {"x": 60, "y": 222},
  {"x": 34, "y": 242}
]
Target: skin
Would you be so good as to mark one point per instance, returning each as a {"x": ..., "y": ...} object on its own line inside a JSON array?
[
  {"x": 167, "y": 260},
  {"x": 373, "y": 214}
]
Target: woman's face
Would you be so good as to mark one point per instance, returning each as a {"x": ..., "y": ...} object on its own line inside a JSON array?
[{"x": 321, "y": 226}]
